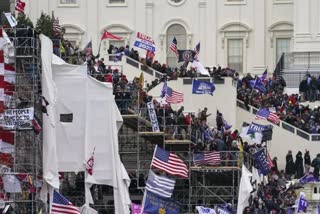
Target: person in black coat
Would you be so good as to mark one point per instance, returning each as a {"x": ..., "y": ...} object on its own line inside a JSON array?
[
  {"x": 299, "y": 165},
  {"x": 290, "y": 166},
  {"x": 316, "y": 164},
  {"x": 307, "y": 162}
]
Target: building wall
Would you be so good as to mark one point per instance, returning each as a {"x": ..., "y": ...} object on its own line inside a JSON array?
[{"x": 210, "y": 22}]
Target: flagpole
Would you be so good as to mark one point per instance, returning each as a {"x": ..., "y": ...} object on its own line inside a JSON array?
[{"x": 99, "y": 46}]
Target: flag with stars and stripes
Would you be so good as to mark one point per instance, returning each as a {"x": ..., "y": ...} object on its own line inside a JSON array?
[
  {"x": 206, "y": 158},
  {"x": 61, "y": 205},
  {"x": 173, "y": 46},
  {"x": 169, "y": 163}
]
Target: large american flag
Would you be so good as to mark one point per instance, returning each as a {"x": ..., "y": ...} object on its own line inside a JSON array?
[
  {"x": 173, "y": 96},
  {"x": 173, "y": 46},
  {"x": 197, "y": 50},
  {"x": 61, "y": 205},
  {"x": 265, "y": 114},
  {"x": 169, "y": 162},
  {"x": 206, "y": 158}
]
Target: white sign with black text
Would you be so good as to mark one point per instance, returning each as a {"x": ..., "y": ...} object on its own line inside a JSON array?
[{"x": 153, "y": 117}]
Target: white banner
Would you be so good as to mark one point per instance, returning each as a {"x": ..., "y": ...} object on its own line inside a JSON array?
[
  {"x": 18, "y": 118},
  {"x": 153, "y": 117},
  {"x": 205, "y": 210},
  {"x": 12, "y": 21}
]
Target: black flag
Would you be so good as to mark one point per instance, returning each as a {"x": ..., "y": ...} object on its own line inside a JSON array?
[{"x": 186, "y": 55}]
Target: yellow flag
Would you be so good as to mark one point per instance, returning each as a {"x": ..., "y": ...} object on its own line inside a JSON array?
[
  {"x": 62, "y": 50},
  {"x": 141, "y": 80},
  {"x": 240, "y": 153},
  {"x": 40, "y": 211}
]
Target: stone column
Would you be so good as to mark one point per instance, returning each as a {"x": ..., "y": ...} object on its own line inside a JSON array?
[{"x": 259, "y": 47}]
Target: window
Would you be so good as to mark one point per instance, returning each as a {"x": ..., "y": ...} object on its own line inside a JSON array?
[
  {"x": 117, "y": 43},
  {"x": 283, "y": 46},
  {"x": 66, "y": 118},
  {"x": 68, "y": 1},
  {"x": 178, "y": 31},
  {"x": 117, "y": 2},
  {"x": 235, "y": 54}
]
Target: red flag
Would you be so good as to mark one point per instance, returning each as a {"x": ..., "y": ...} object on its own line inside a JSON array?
[
  {"x": 107, "y": 35},
  {"x": 90, "y": 163},
  {"x": 36, "y": 126},
  {"x": 20, "y": 6}
]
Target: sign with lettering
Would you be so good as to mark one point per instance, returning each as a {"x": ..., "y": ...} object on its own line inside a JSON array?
[
  {"x": 17, "y": 118},
  {"x": 261, "y": 160},
  {"x": 153, "y": 117},
  {"x": 145, "y": 42},
  {"x": 255, "y": 127}
]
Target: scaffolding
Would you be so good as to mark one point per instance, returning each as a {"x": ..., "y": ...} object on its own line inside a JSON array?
[
  {"x": 206, "y": 185},
  {"x": 27, "y": 156}
]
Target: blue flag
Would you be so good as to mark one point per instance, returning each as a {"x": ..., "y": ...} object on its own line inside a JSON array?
[
  {"x": 156, "y": 204},
  {"x": 290, "y": 211},
  {"x": 308, "y": 178},
  {"x": 302, "y": 204},
  {"x": 258, "y": 84},
  {"x": 262, "y": 162},
  {"x": 255, "y": 127},
  {"x": 224, "y": 209},
  {"x": 202, "y": 87}
]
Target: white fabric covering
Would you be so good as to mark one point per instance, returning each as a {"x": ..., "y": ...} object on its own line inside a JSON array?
[{"x": 96, "y": 121}]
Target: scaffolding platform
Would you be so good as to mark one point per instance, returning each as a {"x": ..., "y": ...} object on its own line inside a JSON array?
[{"x": 215, "y": 168}]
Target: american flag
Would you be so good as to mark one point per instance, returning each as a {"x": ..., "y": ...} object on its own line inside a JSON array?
[
  {"x": 56, "y": 27},
  {"x": 170, "y": 95},
  {"x": 197, "y": 50},
  {"x": 62, "y": 205},
  {"x": 265, "y": 114},
  {"x": 173, "y": 46},
  {"x": 169, "y": 162},
  {"x": 160, "y": 184},
  {"x": 270, "y": 163},
  {"x": 20, "y": 6},
  {"x": 206, "y": 158}
]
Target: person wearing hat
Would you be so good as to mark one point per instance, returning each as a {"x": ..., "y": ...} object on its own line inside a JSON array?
[{"x": 316, "y": 165}]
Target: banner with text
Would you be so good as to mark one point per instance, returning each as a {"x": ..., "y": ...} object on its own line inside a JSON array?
[
  {"x": 153, "y": 117},
  {"x": 261, "y": 161},
  {"x": 18, "y": 118},
  {"x": 145, "y": 42}
]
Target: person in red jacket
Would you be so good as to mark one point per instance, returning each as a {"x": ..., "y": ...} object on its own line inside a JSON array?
[{"x": 108, "y": 77}]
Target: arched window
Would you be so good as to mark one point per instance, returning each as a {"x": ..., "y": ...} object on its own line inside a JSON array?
[
  {"x": 315, "y": 190},
  {"x": 118, "y": 30},
  {"x": 179, "y": 32}
]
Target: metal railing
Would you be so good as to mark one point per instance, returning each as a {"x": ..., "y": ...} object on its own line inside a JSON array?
[
  {"x": 302, "y": 60},
  {"x": 294, "y": 130}
]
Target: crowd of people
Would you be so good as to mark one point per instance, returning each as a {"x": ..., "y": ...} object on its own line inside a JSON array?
[
  {"x": 274, "y": 196},
  {"x": 290, "y": 108}
]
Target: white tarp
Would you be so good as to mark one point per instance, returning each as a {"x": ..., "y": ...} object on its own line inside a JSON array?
[
  {"x": 93, "y": 121},
  {"x": 244, "y": 189}
]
